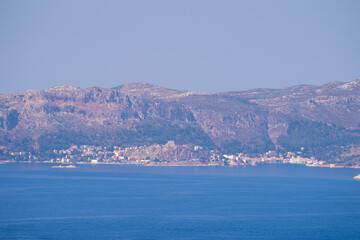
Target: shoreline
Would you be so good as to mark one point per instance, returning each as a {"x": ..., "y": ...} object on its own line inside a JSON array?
[{"x": 73, "y": 164}]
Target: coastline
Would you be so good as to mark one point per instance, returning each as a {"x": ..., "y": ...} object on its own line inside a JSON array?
[
  {"x": 172, "y": 164},
  {"x": 118, "y": 170}
]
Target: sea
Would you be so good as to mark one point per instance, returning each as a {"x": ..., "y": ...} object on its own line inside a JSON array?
[{"x": 136, "y": 202}]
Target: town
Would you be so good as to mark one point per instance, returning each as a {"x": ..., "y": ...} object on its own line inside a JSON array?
[{"x": 168, "y": 154}]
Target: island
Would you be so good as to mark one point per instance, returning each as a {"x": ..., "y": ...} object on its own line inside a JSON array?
[{"x": 144, "y": 124}]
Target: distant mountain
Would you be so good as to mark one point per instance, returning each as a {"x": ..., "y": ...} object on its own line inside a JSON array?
[{"x": 321, "y": 121}]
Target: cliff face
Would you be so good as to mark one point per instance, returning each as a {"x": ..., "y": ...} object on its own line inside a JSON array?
[
  {"x": 334, "y": 103},
  {"x": 246, "y": 120},
  {"x": 34, "y": 113}
]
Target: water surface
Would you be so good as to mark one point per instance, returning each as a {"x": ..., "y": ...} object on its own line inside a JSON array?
[{"x": 130, "y": 202}]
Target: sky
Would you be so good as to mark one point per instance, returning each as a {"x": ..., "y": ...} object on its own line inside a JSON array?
[{"x": 208, "y": 46}]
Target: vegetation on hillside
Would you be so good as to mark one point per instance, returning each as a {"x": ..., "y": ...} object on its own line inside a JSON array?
[
  {"x": 234, "y": 146},
  {"x": 318, "y": 139},
  {"x": 142, "y": 135}
]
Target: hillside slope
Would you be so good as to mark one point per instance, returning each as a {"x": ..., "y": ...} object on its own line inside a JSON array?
[{"x": 301, "y": 117}]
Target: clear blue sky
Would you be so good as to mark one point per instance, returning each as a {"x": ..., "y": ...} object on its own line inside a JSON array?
[{"x": 207, "y": 46}]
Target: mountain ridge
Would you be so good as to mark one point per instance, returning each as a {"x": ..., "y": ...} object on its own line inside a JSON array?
[{"x": 244, "y": 121}]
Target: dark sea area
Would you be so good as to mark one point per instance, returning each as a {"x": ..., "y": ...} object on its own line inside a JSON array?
[{"x": 134, "y": 202}]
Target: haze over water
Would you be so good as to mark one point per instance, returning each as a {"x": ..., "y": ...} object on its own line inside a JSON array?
[
  {"x": 206, "y": 46},
  {"x": 129, "y": 202}
]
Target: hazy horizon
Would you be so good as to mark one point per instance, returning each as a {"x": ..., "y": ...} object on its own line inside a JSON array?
[{"x": 206, "y": 46}]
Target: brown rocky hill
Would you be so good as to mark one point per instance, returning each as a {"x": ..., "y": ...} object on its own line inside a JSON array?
[{"x": 140, "y": 113}]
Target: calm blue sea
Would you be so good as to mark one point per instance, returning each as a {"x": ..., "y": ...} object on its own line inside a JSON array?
[{"x": 130, "y": 202}]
